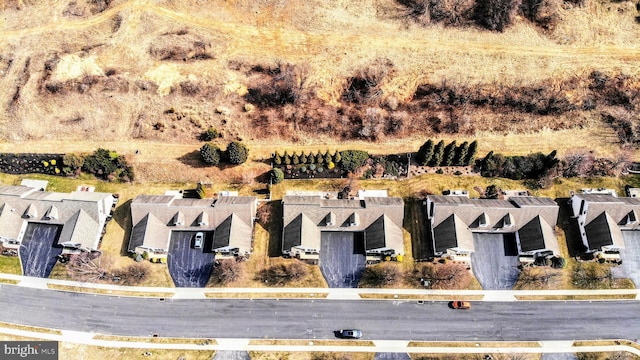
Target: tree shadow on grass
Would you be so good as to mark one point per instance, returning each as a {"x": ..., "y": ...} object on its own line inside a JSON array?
[
  {"x": 193, "y": 159},
  {"x": 570, "y": 228},
  {"x": 272, "y": 222},
  {"x": 416, "y": 224},
  {"x": 122, "y": 216}
]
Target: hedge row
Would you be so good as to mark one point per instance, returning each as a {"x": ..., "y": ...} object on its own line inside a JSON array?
[
  {"x": 304, "y": 158},
  {"x": 439, "y": 154}
]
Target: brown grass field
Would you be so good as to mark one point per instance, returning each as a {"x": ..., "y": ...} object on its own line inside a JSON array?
[{"x": 150, "y": 75}]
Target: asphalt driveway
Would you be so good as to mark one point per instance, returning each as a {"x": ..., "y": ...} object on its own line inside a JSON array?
[
  {"x": 494, "y": 262},
  {"x": 39, "y": 251},
  {"x": 342, "y": 259},
  {"x": 189, "y": 267},
  {"x": 630, "y": 256}
]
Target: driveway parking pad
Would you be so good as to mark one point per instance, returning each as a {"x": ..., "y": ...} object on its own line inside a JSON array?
[
  {"x": 39, "y": 251},
  {"x": 492, "y": 262},
  {"x": 342, "y": 259},
  {"x": 630, "y": 256},
  {"x": 189, "y": 267}
]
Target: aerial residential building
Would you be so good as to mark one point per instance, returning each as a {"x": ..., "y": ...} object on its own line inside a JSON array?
[
  {"x": 226, "y": 222},
  {"x": 454, "y": 219},
  {"x": 372, "y": 217},
  {"x": 603, "y": 219},
  {"x": 75, "y": 221}
]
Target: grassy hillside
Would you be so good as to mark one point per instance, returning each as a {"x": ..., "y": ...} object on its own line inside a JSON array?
[{"x": 317, "y": 72}]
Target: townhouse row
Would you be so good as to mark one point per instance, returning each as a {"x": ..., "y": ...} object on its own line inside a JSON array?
[{"x": 372, "y": 218}]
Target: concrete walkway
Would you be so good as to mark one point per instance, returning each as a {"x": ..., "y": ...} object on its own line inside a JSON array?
[
  {"x": 329, "y": 293},
  {"x": 378, "y": 345}
]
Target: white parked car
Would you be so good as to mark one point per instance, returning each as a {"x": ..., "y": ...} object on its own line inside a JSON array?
[{"x": 199, "y": 240}]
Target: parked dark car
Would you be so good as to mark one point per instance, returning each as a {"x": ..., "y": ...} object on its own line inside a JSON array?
[{"x": 349, "y": 334}]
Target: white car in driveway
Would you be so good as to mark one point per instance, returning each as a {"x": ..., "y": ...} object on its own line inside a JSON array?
[{"x": 197, "y": 244}]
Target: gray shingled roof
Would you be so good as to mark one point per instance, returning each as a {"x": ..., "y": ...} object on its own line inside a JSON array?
[
  {"x": 150, "y": 232},
  {"x": 192, "y": 215},
  {"x": 603, "y": 231},
  {"x": 82, "y": 214},
  {"x": 616, "y": 207},
  {"x": 305, "y": 217},
  {"x": 232, "y": 232},
  {"x": 495, "y": 216},
  {"x": 606, "y": 216}
]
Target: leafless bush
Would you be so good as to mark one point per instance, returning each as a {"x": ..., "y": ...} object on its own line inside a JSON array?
[
  {"x": 592, "y": 275},
  {"x": 189, "y": 88},
  {"x": 180, "y": 47},
  {"x": 448, "y": 275},
  {"x": 451, "y": 12},
  {"x": 380, "y": 275},
  {"x": 544, "y": 13},
  {"x": 373, "y": 124},
  {"x": 226, "y": 271},
  {"x": 282, "y": 274},
  {"x": 99, "y": 6},
  {"x": 448, "y": 12},
  {"x": 364, "y": 86},
  {"x": 132, "y": 274},
  {"x": 496, "y": 14},
  {"x": 532, "y": 278},
  {"x": 615, "y": 89},
  {"x": 577, "y": 164},
  {"x": 54, "y": 87},
  {"x": 281, "y": 85},
  {"x": 88, "y": 267},
  {"x": 626, "y": 125}
]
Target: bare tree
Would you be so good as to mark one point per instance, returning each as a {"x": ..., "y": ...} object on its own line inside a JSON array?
[
  {"x": 444, "y": 276},
  {"x": 226, "y": 271},
  {"x": 373, "y": 124},
  {"x": 577, "y": 164},
  {"x": 132, "y": 274},
  {"x": 88, "y": 267},
  {"x": 592, "y": 275},
  {"x": 384, "y": 274},
  {"x": 535, "y": 278},
  {"x": 282, "y": 274}
]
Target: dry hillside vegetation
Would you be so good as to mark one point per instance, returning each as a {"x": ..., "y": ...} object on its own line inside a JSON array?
[{"x": 329, "y": 71}]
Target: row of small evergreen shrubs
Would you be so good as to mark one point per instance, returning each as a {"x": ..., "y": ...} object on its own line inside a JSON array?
[
  {"x": 347, "y": 160},
  {"x": 432, "y": 154},
  {"x": 303, "y": 158}
]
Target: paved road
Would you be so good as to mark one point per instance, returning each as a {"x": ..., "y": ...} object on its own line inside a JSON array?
[{"x": 311, "y": 319}]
